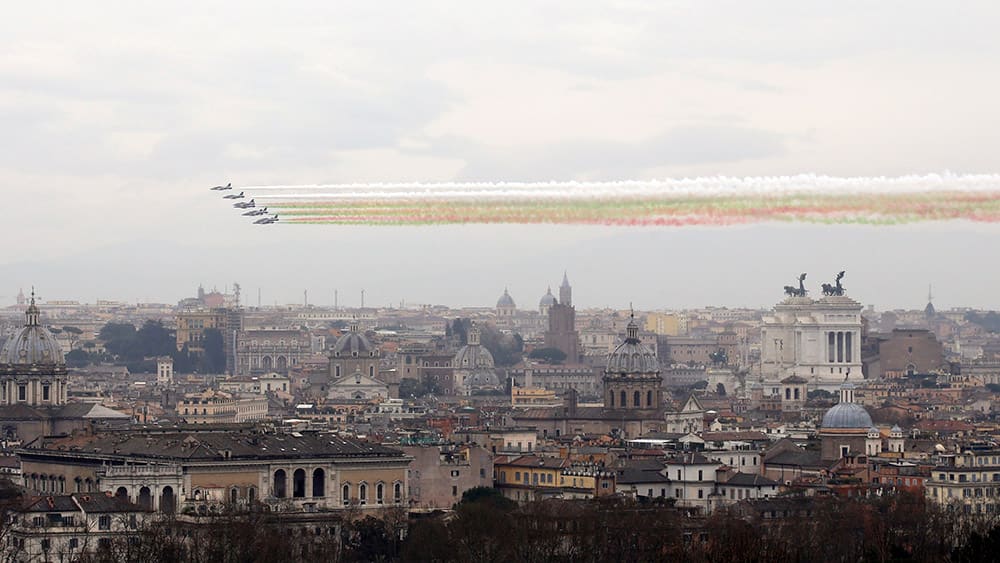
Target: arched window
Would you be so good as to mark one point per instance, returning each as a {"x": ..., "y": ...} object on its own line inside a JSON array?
[
  {"x": 279, "y": 484},
  {"x": 319, "y": 483},
  {"x": 145, "y": 498},
  {"x": 363, "y": 493},
  {"x": 611, "y": 397},
  {"x": 167, "y": 500},
  {"x": 346, "y": 494},
  {"x": 122, "y": 492},
  {"x": 371, "y": 371},
  {"x": 635, "y": 399},
  {"x": 379, "y": 493},
  {"x": 234, "y": 495},
  {"x": 299, "y": 483},
  {"x": 624, "y": 399},
  {"x": 397, "y": 492}
]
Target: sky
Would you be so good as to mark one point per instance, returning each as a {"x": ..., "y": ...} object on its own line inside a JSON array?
[{"x": 118, "y": 116}]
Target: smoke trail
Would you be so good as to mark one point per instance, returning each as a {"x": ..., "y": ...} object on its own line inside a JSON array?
[{"x": 702, "y": 201}]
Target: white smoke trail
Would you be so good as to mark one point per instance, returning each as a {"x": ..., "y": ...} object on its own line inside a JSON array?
[{"x": 717, "y": 186}]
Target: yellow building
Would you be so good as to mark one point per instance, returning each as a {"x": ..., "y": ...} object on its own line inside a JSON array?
[
  {"x": 216, "y": 407},
  {"x": 666, "y": 324},
  {"x": 213, "y": 470},
  {"x": 532, "y": 397},
  {"x": 191, "y": 327},
  {"x": 530, "y": 477}
]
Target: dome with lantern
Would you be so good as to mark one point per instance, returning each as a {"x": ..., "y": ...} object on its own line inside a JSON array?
[
  {"x": 33, "y": 349},
  {"x": 631, "y": 356}
]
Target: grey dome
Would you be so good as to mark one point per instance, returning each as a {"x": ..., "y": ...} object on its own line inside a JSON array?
[
  {"x": 505, "y": 300},
  {"x": 353, "y": 343},
  {"x": 631, "y": 356},
  {"x": 847, "y": 415},
  {"x": 32, "y": 348},
  {"x": 548, "y": 299},
  {"x": 473, "y": 357}
]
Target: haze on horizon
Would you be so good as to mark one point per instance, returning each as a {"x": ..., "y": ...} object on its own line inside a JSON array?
[{"x": 118, "y": 120}]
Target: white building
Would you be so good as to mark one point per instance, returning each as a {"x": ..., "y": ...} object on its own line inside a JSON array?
[{"x": 819, "y": 340}]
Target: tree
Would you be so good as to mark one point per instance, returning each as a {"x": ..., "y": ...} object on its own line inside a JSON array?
[
  {"x": 119, "y": 340},
  {"x": 214, "y": 360},
  {"x": 548, "y": 355},
  {"x": 77, "y": 358},
  {"x": 153, "y": 339},
  {"x": 506, "y": 349}
]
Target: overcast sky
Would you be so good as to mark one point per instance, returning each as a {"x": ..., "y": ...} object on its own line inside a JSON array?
[{"x": 117, "y": 117}]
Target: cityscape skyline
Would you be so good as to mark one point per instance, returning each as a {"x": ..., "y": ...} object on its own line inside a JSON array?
[{"x": 895, "y": 274}]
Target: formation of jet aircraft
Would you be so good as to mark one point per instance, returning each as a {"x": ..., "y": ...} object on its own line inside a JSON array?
[{"x": 254, "y": 211}]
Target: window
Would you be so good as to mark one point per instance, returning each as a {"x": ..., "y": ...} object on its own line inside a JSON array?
[
  {"x": 46, "y": 544},
  {"x": 346, "y": 498},
  {"x": 45, "y": 392},
  {"x": 104, "y": 523},
  {"x": 363, "y": 493},
  {"x": 379, "y": 493},
  {"x": 74, "y": 543},
  {"x": 454, "y": 491},
  {"x": 397, "y": 492},
  {"x": 22, "y": 392}
]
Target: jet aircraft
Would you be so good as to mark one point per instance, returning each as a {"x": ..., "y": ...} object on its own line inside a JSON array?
[
  {"x": 244, "y": 204},
  {"x": 266, "y": 220},
  {"x": 228, "y": 186},
  {"x": 255, "y": 212},
  {"x": 233, "y": 196}
]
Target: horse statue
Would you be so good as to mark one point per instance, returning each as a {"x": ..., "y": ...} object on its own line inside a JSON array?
[
  {"x": 829, "y": 289},
  {"x": 800, "y": 291}
]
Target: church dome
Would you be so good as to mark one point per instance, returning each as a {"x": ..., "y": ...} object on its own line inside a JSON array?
[
  {"x": 631, "y": 357},
  {"x": 505, "y": 301},
  {"x": 847, "y": 415},
  {"x": 547, "y": 300},
  {"x": 473, "y": 357},
  {"x": 32, "y": 348},
  {"x": 353, "y": 343}
]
